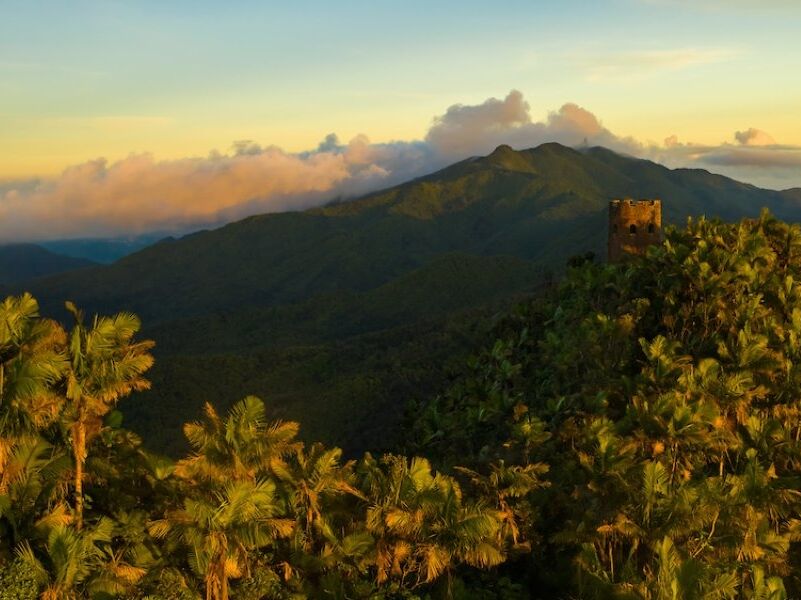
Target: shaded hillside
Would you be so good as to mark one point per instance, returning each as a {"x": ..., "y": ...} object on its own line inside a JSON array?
[
  {"x": 102, "y": 250},
  {"x": 322, "y": 312},
  {"x": 354, "y": 390},
  {"x": 445, "y": 285},
  {"x": 20, "y": 262},
  {"x": 348, "y": 362}
]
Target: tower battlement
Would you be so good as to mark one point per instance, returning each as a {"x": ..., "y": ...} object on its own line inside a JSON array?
[{"x": 633, "y": 226}]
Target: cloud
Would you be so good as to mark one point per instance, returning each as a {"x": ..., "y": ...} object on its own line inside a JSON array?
[
  {"x": 755, "y": 158},
  {"x": 462, "y": 128},
  {"x": 472, "y": 130},
  {"x": 672, "y": 141},
  {"x": 774, "y": 157},
  {"x": 754, "y": 137},
  {"x": 140, "y": 193}
]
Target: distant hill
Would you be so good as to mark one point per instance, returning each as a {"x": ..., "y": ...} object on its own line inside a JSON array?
[
  {"x": 102, "y": 250},
  {"x": 287, "y": 305},
  {"x": 21, "y": 262}
]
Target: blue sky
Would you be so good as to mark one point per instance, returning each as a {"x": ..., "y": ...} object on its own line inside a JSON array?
[
  {"x": 189, "y": 76},
  {"x": 85, "y": 80}
]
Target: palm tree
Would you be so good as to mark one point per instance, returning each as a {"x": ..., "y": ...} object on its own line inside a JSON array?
[
  {"x": 221, "y": 529},
  {"x": 235, "y": 502},
  {"x": 31, "y": 363},
  {"x": 105, "y": 364},
  {"x": 422, "y": 527},
  {"x": 243, "y": 446},
  {"x": 71, "y": 558},
  {"x": 319, "y": 479},
  {"x": 30, "y": 486},
  {"x": 509, "y": 486}
]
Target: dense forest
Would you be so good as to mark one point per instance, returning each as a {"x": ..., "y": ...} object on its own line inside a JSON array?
[{"x": 632, "y": 432}]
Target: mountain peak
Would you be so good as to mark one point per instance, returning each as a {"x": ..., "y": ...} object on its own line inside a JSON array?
[
  {"x": 503, "y": 149},
  {"x": 553, "y": 146},
  {"x": 505, "y": 157}
]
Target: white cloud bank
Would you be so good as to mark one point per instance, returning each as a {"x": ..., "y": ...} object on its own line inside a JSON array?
[{"x": 140, "y": 194}]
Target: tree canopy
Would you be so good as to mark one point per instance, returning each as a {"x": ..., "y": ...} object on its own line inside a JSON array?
[{"x": 633, "y": 432}]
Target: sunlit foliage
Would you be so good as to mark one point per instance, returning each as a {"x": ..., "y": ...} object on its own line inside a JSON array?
[
  {"x": 634, "y": 433},
  {"x": 664, "y": 395}
]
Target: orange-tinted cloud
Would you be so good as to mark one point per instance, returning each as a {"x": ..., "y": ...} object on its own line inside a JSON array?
[
  {"x": 141, "y": 194},
  {"x": 470, "y": 130}
]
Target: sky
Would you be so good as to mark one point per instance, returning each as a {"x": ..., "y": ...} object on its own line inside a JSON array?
[{"x": 124, "y": 117}]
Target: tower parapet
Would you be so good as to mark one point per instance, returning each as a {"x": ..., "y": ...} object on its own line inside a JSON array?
[{"x": 633, "y": 226}]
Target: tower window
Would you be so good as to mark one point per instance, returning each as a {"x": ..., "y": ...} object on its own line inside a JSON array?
[
  {"x": 632, "y": 228},
  {"x": 651, "y": 228},
  {"x": 614, "y": 228}
]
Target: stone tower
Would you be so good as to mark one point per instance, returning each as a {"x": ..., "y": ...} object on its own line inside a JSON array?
[{"x": 633, "y": 226}]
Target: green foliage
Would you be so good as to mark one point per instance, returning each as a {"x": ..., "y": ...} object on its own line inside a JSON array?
[
  {"x": 18, "y": 581},
  {"x": 633, "y": 433},
  {"x": 69, "y": 560},
  {"x": 165, "y": 584},
  {"x": 420, "y": 522},
  {"x": 663, "y": 395}
]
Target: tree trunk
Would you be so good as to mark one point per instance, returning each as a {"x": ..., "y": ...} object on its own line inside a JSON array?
[
  {"x": 223, "y": 583},
  {"x": 79, "y": 452},
  {"x": 217, "y": 581}
]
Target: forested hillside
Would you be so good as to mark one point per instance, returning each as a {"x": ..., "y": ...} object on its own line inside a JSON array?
[
  {"x": 633, "y": 432},
  {"x": 22, "y": 262},
  {"x": 323, "y": 309}
]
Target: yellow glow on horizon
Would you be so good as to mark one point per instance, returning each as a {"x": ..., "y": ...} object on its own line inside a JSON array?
[{"x": 46, "y": 146}]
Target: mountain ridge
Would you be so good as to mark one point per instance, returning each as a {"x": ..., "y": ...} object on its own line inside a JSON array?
[{"x": 541, "y": 204}]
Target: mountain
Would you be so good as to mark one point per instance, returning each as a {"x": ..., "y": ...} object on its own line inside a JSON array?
[
  {"x": 340, "y": 315},
  {"x": 541, "y": 205},
  {"x": 102, "y": 250},
  {"x": 20, "y": 262}
]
